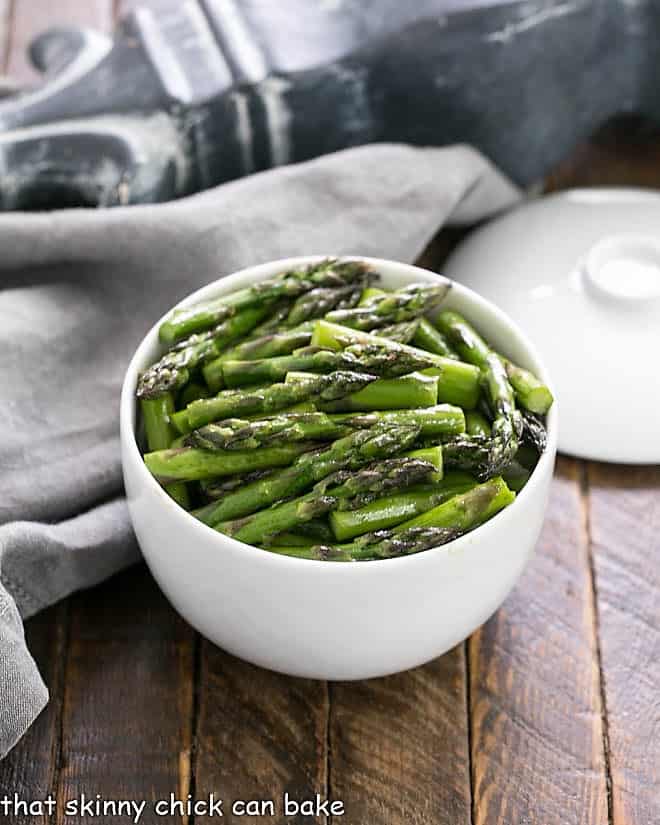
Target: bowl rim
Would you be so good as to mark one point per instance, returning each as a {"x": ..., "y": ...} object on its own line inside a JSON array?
[{"x": 225, "y": 284}]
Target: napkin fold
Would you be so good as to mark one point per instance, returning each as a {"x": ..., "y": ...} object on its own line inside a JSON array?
[{"x": 79, "y": 289}]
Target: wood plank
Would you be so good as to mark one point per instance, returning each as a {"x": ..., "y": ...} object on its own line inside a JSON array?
[
  {"x": 30, "y": 770},
  {"x": 128, "y": 708},
  {"x": 123, "y": 7},
  {"x": 259, "y": 734},
  {"x": 399, "y": 746},
  {"x": 30, "y": 19},
  {"x": 625, "y": 533},
  {"x": 537, "y": 737}
]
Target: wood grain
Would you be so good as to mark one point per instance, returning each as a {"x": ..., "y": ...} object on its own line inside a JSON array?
[
  {"x": 30, "y": 18},
  {"x": 399, "y": 747},
  {"x": 537, "y": 737},
  {"x": 30, "y": 770},
  {"x": 259, "y": 734},
  {"x": 625, "y": 532},
  {"x": 128, "y": 697}
]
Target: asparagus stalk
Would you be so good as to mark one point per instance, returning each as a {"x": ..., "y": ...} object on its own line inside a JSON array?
[
  {"x": 507, "y": 423},
  {"x": 467, "y": 510},
  {"x": 372, "y": 358},
  {"x": 264, "y": 401},
  {"x": 429, "y": 338},
  {"x": 360, "y": 487},
  {"x": 369, "y": 294},
  {"x": 388, "y": 511},
  {"x": 534, "y": 433},
  {"x": 238, "y": 434},
  {"x": 437, "y": 422},
  {"x": 407, "y": 391},
  {"x": 350, "y": 452},
  {"x": 531, "y": 394},
  {"x": 266, "y": 346},
  {"x": 216, "y": 488},
  {"x": 173, "y": 370},
  {"x": 516, "y": 476},
  {"x": 318, "y": 302},
  {"x": 400, "y": 333},
  {"x": 193, "y": 464},
  {"x": 292, "y": 284},
  {"x": 477, "y": 424},
  {"x": 314, "y": 531},
  {"x": 383, "y": 544},
  {"x": 458, "y": 382},
  {"x": 191, "y": 392},
  {"x": 404, "y": 304},
  {"x": 156, "y": 413},
  {"x": 160, "y": 434},
  {"x": 471, "y": 454}
]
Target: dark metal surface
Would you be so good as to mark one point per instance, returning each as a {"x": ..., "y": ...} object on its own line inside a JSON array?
[{"x": 202, "y": 92}]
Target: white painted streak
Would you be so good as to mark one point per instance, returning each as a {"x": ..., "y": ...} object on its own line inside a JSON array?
[
  {"x": 244, "y": 132},
  {"x": 238, "y": 40},
  {"x": 278, "y": 118},
  {"x": 509, "y": 31}
]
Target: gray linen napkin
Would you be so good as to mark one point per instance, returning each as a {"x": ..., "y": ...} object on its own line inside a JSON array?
[{"x": 78, "y": 290}]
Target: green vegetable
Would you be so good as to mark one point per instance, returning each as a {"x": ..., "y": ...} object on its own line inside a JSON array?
[
  {"x": 360, "y": 487},
  {"x": 292, "y": 284},
  {"x": 507, "y": 421},
  {"x": 191, "y": 464},
  {"x": 391, "y": 510},
  {"x": 458, "y": 382},
  {"x": 264, "y": 401},
  {"x": 372, "y": 358}
]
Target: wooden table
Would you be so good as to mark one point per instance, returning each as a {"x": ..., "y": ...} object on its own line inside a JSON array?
[{"x": 548, "y": 715}]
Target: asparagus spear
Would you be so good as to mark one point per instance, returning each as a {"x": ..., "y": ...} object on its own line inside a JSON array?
[
  {"x": 266, "y": 346},
  {"x": 391, "y": 510},
  {"x": 534, "y": 433},
  {"x": 507, "y": 423},
  {"x": 172, "y": 371},
  {"x": 238, "y": 434},
  {"x": 160, "y": 434},
  {"x": 369, "y": 293},
  {"x": 435, "y": 422},
  {"x": 400, "y": 333},
  {"x": 192, "y": 464},
  {"x": 156, "y": 413},
  {"x": 292, "y": 284},
  {"x": 531, "y": 394},
  {"x": 359, "y": 487},
  {"x": 432, "y": 529},
  {"x": 516, "y": 476},
  {"x": 471, "y": 454},
  {"x": 458, "y": 382},
  {"x": 465, "y": 511},
  {"x": 407, "y": 391},
  {"x": 477, "y": 424},
  {"x": 239, "y": 403},
  {"x": 216, "y": 488},
  {"x": 404, "y": 304},
  {"x": 429, "y": 338},
  {"x": 191, "y": 392},
  {"x": 317, "y": 302},
  {"x": 350, "y": 452},
  {"x": 373, "y": 358},
  {"x": 314, "y": 531},
  {"x": 380, "y": 545}
]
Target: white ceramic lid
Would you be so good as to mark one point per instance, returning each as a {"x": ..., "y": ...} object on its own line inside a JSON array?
[{"x": 579, "y": 271}]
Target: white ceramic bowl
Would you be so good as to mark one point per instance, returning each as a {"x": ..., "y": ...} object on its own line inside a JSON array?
[{"x": 331, "y": 620}]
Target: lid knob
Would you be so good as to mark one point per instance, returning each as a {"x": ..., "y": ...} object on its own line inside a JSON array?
[{"x": 624, "y": 269}]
